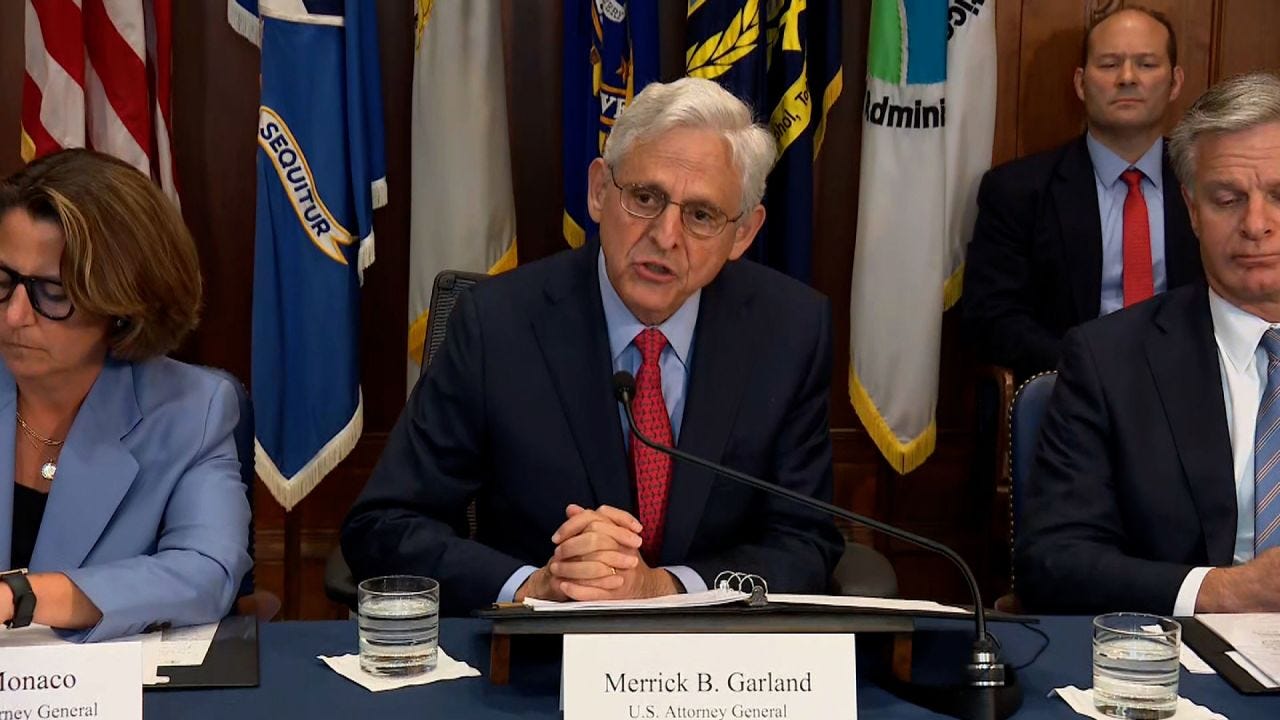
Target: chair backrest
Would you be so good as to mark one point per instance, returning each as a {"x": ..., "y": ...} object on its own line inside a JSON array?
[
  {"x": 243, "y": 434},
  {"x": 446, "y": 290},
  {"x": 1029, "y": 405},
  {"x": 448, "y": 285}
]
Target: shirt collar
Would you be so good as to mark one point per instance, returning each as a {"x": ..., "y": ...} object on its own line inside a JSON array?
[
  {"x": 1107, "y": 165},
  {"x": 1238, "y": 332},
  {"x": 623, "y": 326}
]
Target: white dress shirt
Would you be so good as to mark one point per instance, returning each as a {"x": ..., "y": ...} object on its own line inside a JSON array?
[{"x": 1243, "y": 366}]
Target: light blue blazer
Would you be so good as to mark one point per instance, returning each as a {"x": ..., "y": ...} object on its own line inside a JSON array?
[{"x": 148, "y": 514}]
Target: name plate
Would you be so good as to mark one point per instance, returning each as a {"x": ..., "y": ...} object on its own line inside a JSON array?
[
  {"x": 101, "y": 681},
  {"x": 709, "y": 677}
]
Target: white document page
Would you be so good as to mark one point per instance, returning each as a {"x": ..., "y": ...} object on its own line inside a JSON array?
[
  {"x": 1255, "y": 636},
  {"x": 178, "y": 646},
  {"x": 854, "y": 601}
]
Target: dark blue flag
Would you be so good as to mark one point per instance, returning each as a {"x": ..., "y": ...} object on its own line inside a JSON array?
[
  {"x": 610, "y": 54},
  {"x": 321, "y": 172},
  {"x": 782, "y": 57}
]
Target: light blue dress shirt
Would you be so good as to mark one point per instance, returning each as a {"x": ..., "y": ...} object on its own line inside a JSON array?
[
  {"x": 675, "y": 362},
  {"x": 1107, "y": 168}
]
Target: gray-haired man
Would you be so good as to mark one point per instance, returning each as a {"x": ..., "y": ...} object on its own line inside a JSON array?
[{"x": 1157, "y": 482}]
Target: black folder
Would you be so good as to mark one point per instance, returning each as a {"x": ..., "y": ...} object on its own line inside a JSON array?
[
  {"x": 1213, "y": 650},
  {"x": 736, "y": 617},
  {"x": 232, "y": 660}
]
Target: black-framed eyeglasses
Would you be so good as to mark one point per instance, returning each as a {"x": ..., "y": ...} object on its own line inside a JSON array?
[
  {"x": 645, "y": 202},
  {"x": 47, "y": 297}
]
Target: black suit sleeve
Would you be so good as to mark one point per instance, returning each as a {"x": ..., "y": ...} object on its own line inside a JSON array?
[
  {"x": 795, "y": 549},
  {"x": 1071, "y": 548},
  {"x": 999, "y": 283},
  {"x": 411, "y": 517}
]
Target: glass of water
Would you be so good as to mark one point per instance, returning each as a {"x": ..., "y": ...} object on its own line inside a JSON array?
[
  {"x": 399, "y": 620},
  {"x": 1135, "y": 665}
]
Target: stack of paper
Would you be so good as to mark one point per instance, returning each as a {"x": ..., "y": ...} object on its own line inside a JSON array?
[{"x": 1256, "y": 639}]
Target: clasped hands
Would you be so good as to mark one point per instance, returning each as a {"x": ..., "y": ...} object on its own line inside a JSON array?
[{"x": 597, "y": 557}]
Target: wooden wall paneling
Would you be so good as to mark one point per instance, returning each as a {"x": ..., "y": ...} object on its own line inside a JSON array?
[
  {"x": 11, "y": 72},
  {"x": 1193, "y": 21},
  {"x": 835, "y": 191},
  {"x": 1008, "y": 79},
  {"x": 1246, "y": 39},
  {"x": 533, "y": 39},
  {"x": 1048, "y": 110}
]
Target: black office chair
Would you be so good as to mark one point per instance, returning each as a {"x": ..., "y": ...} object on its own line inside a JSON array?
[
  {"x": 249, "y": 601},
  {"x": 339, "y": 584},
  {"x": 1029, "y": 405}
]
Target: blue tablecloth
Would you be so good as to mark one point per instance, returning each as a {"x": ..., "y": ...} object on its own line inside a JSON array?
[{"x": 296, "y": 685}]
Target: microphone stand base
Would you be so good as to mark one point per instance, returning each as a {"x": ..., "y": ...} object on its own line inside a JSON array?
[{"x": 962, "y": 701}]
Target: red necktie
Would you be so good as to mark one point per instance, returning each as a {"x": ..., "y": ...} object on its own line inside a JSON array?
[
  {"x": 652, "y": 468},
  {"x": 1138, "y": 281}
]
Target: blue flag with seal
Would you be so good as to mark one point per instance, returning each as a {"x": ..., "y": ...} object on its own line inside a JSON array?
[
  {"x": 781, "y": 57},
  {"x": 321, "y": 172},
  {"x": 610, "y": 54}
]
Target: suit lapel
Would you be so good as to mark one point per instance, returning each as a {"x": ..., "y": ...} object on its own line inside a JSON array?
[
  {"x": 573, "y": 339},
  {"x": 722, "y": 353},
  {"x": 1184, "y": 363},
  {"x": 95, "y": 471},
  {"x": 1075, "y": 196},
  {"x": 1181, "y": 250}
]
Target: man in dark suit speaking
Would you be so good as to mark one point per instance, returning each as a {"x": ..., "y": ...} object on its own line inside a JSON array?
[
  {"x": 1082, "y": 230},
  {"x": 1157, "y": 481},
  {"x": 732, "y": 363}
]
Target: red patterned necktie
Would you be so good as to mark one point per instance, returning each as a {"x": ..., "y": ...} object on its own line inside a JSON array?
[
  {"x": 1138, "y": 281},
  {"x": 652, "y": 468}
]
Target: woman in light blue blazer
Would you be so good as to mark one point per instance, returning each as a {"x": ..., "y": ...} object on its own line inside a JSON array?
[{"x": 121, "y": 503}]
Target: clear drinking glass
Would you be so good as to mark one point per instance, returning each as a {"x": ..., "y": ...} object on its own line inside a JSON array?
[
  {"x": 1135, "y": 665},
  {"x": 399, "y": 621}
]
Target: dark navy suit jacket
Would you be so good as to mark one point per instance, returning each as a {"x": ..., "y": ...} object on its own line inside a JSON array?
[
  {"x": 1034, "y": 267},
  {"x": 1132, "y": 484},
  {"x": 517, "y": 412}
]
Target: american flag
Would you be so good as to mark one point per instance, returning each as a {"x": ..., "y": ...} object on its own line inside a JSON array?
[{"x": 98, "y": 75}]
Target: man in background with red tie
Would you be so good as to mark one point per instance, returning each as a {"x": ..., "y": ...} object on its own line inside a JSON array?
[
  {"x": 1085, "y": 229},
  {"x": 732, "y": 362},
  {"x": 1156, "y": 485}
]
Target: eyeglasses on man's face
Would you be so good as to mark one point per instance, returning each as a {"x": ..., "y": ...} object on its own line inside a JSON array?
[
  {"x": 47, "y": 297},
  {"x": 646, "y": 202}
]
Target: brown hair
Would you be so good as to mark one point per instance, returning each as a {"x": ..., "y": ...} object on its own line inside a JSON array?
[
  {"x": 128, "y": 254},
  {"x": 1171, "y": 47}
]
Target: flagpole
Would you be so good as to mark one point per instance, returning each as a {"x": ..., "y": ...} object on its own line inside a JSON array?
[{"x": 292, "y": 566}]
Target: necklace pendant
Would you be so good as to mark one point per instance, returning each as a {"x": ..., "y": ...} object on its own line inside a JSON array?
[{"x": 48, "y": 470}]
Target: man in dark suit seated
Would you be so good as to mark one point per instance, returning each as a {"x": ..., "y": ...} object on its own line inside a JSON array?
[
  {"x": 1082, "y": 230},
  {"x": 1157, "y": 477},
  {"x": 732, "y": 363}
]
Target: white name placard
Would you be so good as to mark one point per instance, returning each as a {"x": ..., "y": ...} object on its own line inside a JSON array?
[
  {"x": 71, "y": 681},
  {"x": 709, "y": 677}
]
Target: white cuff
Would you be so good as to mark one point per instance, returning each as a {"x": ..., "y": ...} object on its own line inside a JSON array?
[
  {"x": 508, "y": 592},
  {"x": 691, "y": 580},
  {"x": 1185, "y": 604}
]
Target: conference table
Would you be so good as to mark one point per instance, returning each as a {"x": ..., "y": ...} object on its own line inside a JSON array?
[{"x": 294, "y": 684}]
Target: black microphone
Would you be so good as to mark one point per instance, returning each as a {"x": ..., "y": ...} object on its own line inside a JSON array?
[{"x": 992, "y": 688}]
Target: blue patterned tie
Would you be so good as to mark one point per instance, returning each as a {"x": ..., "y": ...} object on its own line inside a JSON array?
[{"x": 1266, "y": 453}]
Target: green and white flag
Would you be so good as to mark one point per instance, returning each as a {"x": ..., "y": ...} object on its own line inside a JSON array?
[
  {"x": 463, "y": 213},
  {"x": 928, "y": 120}
]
